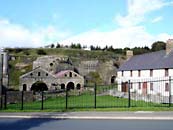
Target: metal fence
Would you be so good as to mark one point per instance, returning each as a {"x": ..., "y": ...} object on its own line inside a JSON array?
[{"x": 146, "y": 93}]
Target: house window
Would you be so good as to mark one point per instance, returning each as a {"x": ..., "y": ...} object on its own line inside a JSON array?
[
  {"x": 131, "y": 73},
  {"x": 139, "y": 87},
  {"x": 46, "y": 74},
  {"x": 65, "y": 75},
  {"x": 151, "y": 73},
  {"x": 151, "y": 86},
  {"x": 131, "y": 86},
  {"x": 166, "y": 72},
  {"x": 166, "y": 87},
  {"x": 122, "y": 73},
  {"x": 139, "y": 73}
]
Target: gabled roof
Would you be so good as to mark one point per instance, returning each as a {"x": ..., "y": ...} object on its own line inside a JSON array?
[
  {"x": 153, "y": 60},
  {"x": 62, "y": 73},
  {"x": 38, "y": 68}
]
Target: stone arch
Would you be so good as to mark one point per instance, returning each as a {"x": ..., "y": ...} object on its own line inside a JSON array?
[
  {"x": 63, "y": 86},
  {"x": 113, "y": 79},
  {"x": 39, "y": 86},
  {"x": 78, "y": 86},
  {"x": 70, "y": 85}
]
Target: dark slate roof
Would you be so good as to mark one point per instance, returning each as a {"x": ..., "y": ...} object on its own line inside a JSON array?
[{"x": 153, "y": 60}]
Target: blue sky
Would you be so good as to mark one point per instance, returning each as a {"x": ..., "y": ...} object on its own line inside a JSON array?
[{"x": 120, "y": 23}]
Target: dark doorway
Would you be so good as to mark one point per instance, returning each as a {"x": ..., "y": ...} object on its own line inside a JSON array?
[
  {"x": 70, "y": 85},
  {"x": 113, "y": 79},
  {"x": 39, "y": 86}
]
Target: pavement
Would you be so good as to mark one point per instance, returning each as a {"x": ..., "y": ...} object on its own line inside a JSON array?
[{"x": 138, "y": 115}]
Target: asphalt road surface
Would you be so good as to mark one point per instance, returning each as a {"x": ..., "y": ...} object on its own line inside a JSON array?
[{"x": 56, "y": 124}]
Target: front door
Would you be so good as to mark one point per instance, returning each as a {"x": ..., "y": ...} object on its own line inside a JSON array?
[
  {"x": 144, "y": 88},
  {"x": 124, "y": 87}
]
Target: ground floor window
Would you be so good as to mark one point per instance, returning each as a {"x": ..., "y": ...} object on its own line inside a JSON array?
[{"x": 166, "y": 87}]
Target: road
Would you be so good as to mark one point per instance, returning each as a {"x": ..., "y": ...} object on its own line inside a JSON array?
[{"x": 76, "y": 124}]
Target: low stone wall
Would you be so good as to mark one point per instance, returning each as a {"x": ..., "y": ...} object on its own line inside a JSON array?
[{"x": 16, "y": 96}]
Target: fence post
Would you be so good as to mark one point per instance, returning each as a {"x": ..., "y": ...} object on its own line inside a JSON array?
[
  {"x": 42, "y": 98},
  {"x": 170, "y": 98},
  {"x": 129, "y": 100},
  {"x": 66, "y": 99},
  {"x": 22, "y": 100},
  {"x": 95, "y": 95},
  {"x": 5, "y": 100}
]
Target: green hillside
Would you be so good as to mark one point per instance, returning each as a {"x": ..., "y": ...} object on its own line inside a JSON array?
[{"x": 22, "y": 58}]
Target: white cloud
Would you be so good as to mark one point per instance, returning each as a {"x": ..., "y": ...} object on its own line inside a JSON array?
[
  {"x": 137, "y": 9},
  {"x": 157, "y": 19},
  {"x": 119, "y": 38},
  {"x": 14, "y": 35},
  {"x": 130, "y": 33}
]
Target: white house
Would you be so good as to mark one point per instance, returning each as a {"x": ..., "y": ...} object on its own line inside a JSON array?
[{"x": 149, "y": 73}]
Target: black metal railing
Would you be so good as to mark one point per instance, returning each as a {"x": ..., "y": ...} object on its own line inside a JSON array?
[{"x": 145, "y": 93}]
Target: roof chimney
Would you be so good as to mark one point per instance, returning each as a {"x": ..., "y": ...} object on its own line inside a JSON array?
[
  {"x": 169, "y": 46},
  {"x": 129, "y": 54}
]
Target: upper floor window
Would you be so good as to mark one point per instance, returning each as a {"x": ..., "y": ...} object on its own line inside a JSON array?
[
  {"x": 151, "y": 73},
  {"x": 166, "y": 72},
  {"x": 122, "y": 73},
  {"x": 139, "y": 73},
  {"x": 131, "y": 73}
]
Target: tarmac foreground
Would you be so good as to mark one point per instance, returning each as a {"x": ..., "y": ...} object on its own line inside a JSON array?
[{"x": 138, "y": 115}]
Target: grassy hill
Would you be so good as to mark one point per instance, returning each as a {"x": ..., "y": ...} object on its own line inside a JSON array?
[{"x": 22, "y": 58}]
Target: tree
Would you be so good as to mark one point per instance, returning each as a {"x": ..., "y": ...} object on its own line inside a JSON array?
[
  {"x": 52, "y": 45},
  {"x": 157, "y": 46},
  {"x": 58, "y": 45}
]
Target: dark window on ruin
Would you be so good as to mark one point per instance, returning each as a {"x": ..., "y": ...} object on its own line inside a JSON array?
[
  {"x": 75, "y": 75},
  {"x": 24, "y": 87},
  {"x": 46, "y": 74},
  {"x": 78, "y": 87},
  {"x": 70, "y": 74},
  {"x": 65, "y": 75},
  {"x": 31, "y": 74},
  {"x": 38, "y": 73},
  {"x": 51, "y": 64}
]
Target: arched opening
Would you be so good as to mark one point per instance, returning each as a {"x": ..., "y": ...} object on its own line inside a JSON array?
[
  {"x": 39, "y": 86},
  {"x": 63, "y": 86},
  {"x": 70, "y": 85},
  {"x": 24, "y": 87},
  {"x": 113, "y": 79},
  {"x": 78, "y": 86}
]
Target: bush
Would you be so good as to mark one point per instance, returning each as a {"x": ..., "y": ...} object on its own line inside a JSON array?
[{"x": 41, "y": 52}]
